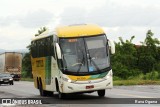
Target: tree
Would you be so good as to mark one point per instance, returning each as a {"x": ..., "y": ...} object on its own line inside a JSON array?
[
  {"x": 43, "y": 29},
  {"x": 148, "y": 53},
  {"x": 124, "y": 61},
  {"x": 27, "y": 68}
]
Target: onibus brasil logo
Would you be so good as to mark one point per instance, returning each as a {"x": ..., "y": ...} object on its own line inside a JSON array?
[{"x": 20, "y": 101}]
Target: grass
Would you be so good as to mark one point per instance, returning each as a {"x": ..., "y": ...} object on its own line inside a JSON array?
[
  {"x": 135, "y": 82},
  {"x": 27, "y": 79}
]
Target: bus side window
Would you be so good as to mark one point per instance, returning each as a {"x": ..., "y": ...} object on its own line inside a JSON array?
[
  {"x": 43, "y": 47},
  {"x": 32, "y": 49},
  {"x": 36, "y": 49},
  {"x": 52, "y": 47},
  {"x": 40, "y": 49},
  {"x": 48, "y": 47}
]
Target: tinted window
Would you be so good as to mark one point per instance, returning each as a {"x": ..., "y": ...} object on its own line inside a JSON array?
[{"x": 42, "y": 47}]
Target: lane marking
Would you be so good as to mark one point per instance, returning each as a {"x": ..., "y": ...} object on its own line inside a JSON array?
[{"x": 137, "y": 96}]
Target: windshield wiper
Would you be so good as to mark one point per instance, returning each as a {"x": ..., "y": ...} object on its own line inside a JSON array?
[
  {"x": 81, "y": 62},
  {"x": 91, "y": 60}
]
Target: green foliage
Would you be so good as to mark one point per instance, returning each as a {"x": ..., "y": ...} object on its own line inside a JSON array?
[
  {"x": 24, "y": 74},
  {"x": 140, "y": 62},
  {"x": 154, "y": 75},
  {"x": 27, "y": 69},
  {"x": 138, "y": 82},
  {"x": 27, "y": 79},
  {"x": 124, "y": 61},
  {"x": 115, "y": 78},
  {"x": 43, "y": 29}
]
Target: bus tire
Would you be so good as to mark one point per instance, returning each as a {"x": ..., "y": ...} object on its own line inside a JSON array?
[
  {"x": 60, "y": 95},
  {"x": 37, "y": 83},
  {"x": 41, "y": 91},
  {"x": 101, "y": 93}
]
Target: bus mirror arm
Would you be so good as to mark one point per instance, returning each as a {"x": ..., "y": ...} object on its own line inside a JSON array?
[
  {"x": 58, "y": 50},
  {"x": 111, "y": 46}
]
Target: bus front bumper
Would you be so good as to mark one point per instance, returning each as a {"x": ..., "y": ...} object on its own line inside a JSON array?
[{"x": 69, "y": 87}]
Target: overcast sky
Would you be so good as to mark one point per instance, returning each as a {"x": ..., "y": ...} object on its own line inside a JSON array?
[{"x": 21, "y": 19}]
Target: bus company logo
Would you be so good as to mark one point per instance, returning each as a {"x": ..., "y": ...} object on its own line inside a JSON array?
[{"x": 6, "y": 101}]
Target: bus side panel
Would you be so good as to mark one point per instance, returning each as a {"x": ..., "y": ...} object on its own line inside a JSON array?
[
  {"x": 34, "y": 73},
  {"x": 48, "y": 70},
  {"x": 38, "y": 70},
  {"x": 2, "y": 63},
  {"x": 55, "y": 72},
  {"x": 51, "y": 73}
]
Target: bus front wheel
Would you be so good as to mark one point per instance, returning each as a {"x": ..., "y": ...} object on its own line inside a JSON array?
[
  {"x": 101, "y": 93},
  {"x": 61, "y": 95}
]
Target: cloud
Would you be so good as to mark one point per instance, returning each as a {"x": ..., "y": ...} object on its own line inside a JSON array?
[
  {"x": 20, "y": 20},
  {"x": 6, "y": 21},
  {"x": 30, "y": 20},
  {"x": 15, "y": 36},
  {"x": 36, "y": 19},
  {"x": 73, "y": 15},
  {"x": 112, "y": 14},
  {"x": 119, "y": 19},
  {"x": 135, "y": 15}
]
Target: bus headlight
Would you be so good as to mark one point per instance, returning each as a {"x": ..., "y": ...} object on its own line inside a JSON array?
[
  {"x": 108, "y": 76},
  {"x": 1, "y": 79},
  {"x": 66, "y": 79}
]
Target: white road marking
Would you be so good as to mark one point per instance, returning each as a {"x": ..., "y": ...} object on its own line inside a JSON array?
[{"x": 136, "y": 96}]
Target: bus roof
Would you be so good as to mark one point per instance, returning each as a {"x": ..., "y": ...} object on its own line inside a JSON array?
[
  {"x": 45, "y": 34},
  {"x": 72, "y": 31},
  {"x": 79, "y": 30}
]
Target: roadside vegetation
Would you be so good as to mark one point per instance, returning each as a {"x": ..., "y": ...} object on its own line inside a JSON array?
[
  {"x": 148, "y": 79},
  {"x": 132, "y": 64},
  {"x": 26, "y": 79},
  {"x": 137, "y": 64}
]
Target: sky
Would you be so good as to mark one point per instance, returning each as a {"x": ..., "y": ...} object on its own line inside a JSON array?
[{"x": 21, "y": 19}]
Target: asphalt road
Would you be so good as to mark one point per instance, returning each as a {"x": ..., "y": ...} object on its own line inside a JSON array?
[{"x": 119, "y": 95}]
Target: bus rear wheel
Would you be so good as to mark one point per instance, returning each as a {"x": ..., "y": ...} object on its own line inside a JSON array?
[
  {"x": 101, "y": 93},
  {"x": 41, "y": 91}
]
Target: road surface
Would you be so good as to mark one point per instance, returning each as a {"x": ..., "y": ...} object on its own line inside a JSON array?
[{"x": 119, "y": 95}]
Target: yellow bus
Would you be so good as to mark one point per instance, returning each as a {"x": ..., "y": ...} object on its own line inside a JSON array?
[{"x": 72, "y": 59}]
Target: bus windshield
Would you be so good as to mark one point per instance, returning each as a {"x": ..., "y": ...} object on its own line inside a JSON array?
[{"x": 85, "y": 55}]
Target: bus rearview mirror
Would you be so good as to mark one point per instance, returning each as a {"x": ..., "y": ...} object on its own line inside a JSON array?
[
  {"x": 58, "y": 50},
  {"x": 112, "y": 46}
]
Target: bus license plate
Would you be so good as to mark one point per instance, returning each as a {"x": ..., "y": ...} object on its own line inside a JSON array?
[{"x": 90, "y": 86}]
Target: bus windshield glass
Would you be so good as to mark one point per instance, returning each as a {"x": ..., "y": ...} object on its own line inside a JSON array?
[{"x": 85, "y": 55}]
